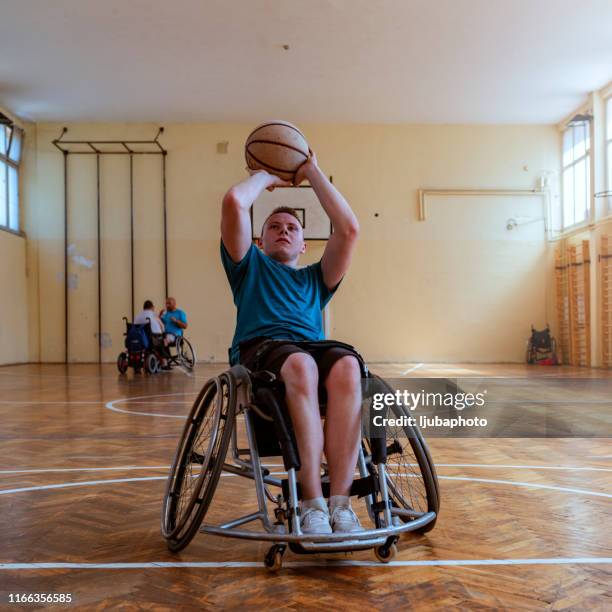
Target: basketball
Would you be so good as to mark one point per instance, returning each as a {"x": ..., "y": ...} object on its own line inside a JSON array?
[{"x": 277, "y": 147}]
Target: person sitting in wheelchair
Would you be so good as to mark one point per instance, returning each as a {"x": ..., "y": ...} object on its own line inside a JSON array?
[
  {"x": 174, "y": 320},
  {"x": 277, "y": 300},
  {"x": 148, "y": 315}
]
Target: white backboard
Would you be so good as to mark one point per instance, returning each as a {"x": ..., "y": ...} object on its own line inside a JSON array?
[{"x": 317, "y": 225}]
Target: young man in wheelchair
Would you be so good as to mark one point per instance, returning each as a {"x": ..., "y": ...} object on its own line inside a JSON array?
[{"x": 276, "y": 300}]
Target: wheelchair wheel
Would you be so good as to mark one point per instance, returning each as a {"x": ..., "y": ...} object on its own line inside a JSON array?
[
  {"x": 198, "y": 461},
  {"x": 122, "y": 363},
  {"x": 152, "y": 364},
  {"x": 185, "y": 353},
  {"x": 411, "y": 475}
]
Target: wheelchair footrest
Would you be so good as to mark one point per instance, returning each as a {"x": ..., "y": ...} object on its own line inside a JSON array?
[
  {"x": 311, "y": 548},
  {"x": 360, "y": 487}
]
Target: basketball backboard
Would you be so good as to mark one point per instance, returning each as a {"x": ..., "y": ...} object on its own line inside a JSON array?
[{"x": 316, "y": 223}]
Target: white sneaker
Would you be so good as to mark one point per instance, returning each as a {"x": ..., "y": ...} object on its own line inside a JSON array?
[
  {"x": 314, "y": 520},
  {"x": 344, "y": 520}
]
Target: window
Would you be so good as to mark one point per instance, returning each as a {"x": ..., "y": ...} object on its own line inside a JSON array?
[
  {"x": 576, "y": 181},
  {"x": 609, "y": 150},
  {"x": 11, "y": 140}
]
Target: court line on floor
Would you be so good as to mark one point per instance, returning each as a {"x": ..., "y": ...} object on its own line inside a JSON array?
[
  {"x": 91, "y": 483},
  {"x": 528, "y": 485},
  {"x": 96, "y": 402},
  {"x": 412, "y": 369},
  {"x": 313, "y": 563},
  {"x": 526, "y": 467},
  {"x": 111, "y": 405},
  {"x": 438, "y": 465},
  {"x": 120, "y": 468},
  {"x": 39, "y": 402}
]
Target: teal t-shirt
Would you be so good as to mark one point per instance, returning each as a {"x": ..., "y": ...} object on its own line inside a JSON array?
[
  {"x": 169, "y": 326},
  {"x": 275, "y": 300}
]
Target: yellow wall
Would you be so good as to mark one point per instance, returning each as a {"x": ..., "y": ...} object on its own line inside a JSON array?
[
  {"x": 13, "y": 304},
  {"x": 457, "y": 287}
]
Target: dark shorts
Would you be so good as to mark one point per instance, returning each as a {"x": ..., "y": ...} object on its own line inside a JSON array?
[
  {"x": 265, "y": 354},
  {"x": 157, "y": 340}
]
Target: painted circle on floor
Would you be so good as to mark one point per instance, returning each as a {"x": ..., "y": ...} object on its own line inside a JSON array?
[{"x": 113, "y": 405}]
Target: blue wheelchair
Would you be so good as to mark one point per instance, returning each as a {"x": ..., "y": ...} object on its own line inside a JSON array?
[{"x": 142, "y": 349}]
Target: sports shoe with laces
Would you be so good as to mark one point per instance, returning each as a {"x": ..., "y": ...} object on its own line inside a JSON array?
[
  {"x": 344, "y": 520},
  {"x": 315, "y": 520}
]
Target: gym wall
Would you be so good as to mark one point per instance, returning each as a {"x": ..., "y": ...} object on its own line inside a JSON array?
[
  {"x": 457, "y": 287},
  {"x": 13, "y": 306}
]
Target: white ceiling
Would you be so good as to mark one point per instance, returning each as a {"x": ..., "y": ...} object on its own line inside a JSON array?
[{"x": 380, "y": 61}]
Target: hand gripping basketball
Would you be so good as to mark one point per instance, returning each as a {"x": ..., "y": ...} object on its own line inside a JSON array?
[
  {"x": 303, "y": 171},
  {"x": 273, "y": 180}
]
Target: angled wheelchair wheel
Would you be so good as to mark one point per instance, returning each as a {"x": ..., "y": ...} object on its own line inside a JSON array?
[
  {"x": 198, "y": 461},
  {"x": 411, "y": 474},
  {"x": 152, "y": 364},
  {"x": 185, "y": 353},
  {"x": 122, "y": 363}
]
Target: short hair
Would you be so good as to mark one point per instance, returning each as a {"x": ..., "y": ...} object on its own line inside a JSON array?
[
  {"x": 148, "y": 305},
  {"x": 282, "y": 209}
]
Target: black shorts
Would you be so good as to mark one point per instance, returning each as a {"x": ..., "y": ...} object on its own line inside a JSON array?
[
  {"x": 266, "y": 354},
  {"x": 157, "y": 340}
]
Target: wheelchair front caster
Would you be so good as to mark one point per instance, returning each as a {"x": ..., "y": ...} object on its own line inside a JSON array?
[
  {"x": 385, "y": 553},
  {"x": 274, "y": 558}
]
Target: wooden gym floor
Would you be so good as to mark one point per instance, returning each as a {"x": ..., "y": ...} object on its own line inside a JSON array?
[{"x": 84, "y": 453}]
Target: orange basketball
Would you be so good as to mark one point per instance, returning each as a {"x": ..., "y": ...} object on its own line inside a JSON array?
[{"x": 277, "y": 147}]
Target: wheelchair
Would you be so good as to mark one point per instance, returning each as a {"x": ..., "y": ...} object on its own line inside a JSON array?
[
  {"x": 542, "y": 347},
  {"x": 140, "y": 351},
  {"x": 397, "y": 478},
  {"x": 183, "y": 355}
]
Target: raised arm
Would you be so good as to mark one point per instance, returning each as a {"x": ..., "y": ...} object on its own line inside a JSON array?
[
  {"x": 235, "y": 220},
  {"x": 341, "y": 244}
]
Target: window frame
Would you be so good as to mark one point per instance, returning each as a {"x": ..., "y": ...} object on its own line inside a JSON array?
[
  {"x": 10, "y": 163},
  {"x": 588, "y": 158},
  {"x": 607, "y": 104}
]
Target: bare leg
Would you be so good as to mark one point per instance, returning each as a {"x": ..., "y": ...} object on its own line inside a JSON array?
[
  {"x": 343, "y": 423},
  {"x": 301, "y": 378}
]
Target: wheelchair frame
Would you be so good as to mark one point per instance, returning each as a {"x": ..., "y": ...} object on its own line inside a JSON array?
[
  {"x": 233, "y": 393},
  {"x": 541, "y": 346},
  {"x": 179, "y": 358}
]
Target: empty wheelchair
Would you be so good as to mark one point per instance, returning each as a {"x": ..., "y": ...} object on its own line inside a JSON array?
[
  {"x": 397, "y": 479},
  {"x": 542, "y": 347},
  {"x": 141, "y": 352}
]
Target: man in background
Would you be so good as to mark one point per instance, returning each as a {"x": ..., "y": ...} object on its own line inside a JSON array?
[
  {"x": 148, "y": 315},
  {"x": 174, "y": 320}
]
